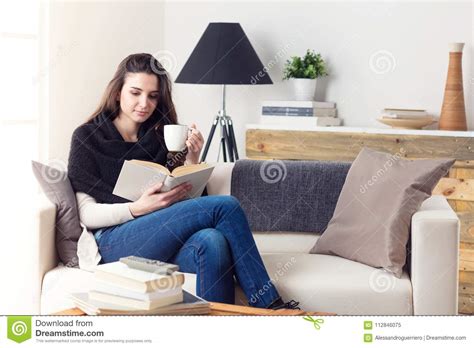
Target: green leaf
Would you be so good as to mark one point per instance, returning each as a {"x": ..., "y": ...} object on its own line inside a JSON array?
[{"x": 311, "y": 66}]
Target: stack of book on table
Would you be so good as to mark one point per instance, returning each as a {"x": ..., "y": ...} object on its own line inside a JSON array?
[
  {"x": 300, "y": 113},
  {"x": 119, "y": 289}
]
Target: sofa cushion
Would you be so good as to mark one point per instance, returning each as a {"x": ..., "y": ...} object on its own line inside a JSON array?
[
  {"x": 332, "y": 284},
  {"x": 58, "y": 283},
  {"x": 371, "y": 223},
  {"x": 58, "y": 189},
  {"x": 285, "y": 242},
  {"x": 288, "y": 195}
]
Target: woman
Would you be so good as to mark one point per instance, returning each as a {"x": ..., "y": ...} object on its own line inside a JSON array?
[{"x": 209, "y": 236}]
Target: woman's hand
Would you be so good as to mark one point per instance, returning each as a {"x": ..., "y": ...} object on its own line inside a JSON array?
[
  {"x": 194, "y": 145},
  {"x": 152, "y": 199}
]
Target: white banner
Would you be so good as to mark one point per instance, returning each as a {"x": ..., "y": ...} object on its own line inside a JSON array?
[{"x": 218, "y": 331}]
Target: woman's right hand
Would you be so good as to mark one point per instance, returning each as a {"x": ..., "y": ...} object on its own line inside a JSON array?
[{"x": 152, "y": 199}]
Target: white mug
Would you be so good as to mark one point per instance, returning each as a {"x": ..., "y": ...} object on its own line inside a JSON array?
[{"x": 176, "y": 136}]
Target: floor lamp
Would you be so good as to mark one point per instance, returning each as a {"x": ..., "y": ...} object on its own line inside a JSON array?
[{"x": 224, "y": 56}]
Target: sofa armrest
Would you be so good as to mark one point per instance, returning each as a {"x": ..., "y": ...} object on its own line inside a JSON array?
[
  {"x": 45, "y": 255},
  {"x": 435, "y": 258}
]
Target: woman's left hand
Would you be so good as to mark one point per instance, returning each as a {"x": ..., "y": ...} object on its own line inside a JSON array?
[{"x": 194, "y": 144}]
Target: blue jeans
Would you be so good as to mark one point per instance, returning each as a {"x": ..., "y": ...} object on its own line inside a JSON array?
[{"x": 209, "y": 236}]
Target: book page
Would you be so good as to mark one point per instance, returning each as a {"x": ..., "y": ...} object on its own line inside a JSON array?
[
  {"x": 134, "y": 179},
  {"x": 153, "y": 165},
  {"x": 190, "y": 168},
  {"x": 197, "y": 179}
]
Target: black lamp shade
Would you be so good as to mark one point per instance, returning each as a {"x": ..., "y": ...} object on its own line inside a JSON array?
[{"x": 224, "y": 56}]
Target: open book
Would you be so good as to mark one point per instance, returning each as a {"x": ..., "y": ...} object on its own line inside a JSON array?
[{"x": 137, "y": 176}]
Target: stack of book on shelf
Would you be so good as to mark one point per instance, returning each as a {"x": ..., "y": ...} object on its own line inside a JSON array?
[
  {"x": 406, "y": 118},
  {"x": 119, "y": 289},
  {"x": 405, "y": 113},
  {"x": 299, "y": 113}
]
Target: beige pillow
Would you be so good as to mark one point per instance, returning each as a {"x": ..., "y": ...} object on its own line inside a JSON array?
[
  {"x": 57, "y": 188},
  {"x": 371, "y": 222}
]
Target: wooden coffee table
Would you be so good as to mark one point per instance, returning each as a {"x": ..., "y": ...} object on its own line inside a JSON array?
[{"x": 227, "y": 309}]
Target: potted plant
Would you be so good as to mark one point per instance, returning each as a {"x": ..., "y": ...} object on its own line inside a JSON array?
[{"x": 303, "y": 73}]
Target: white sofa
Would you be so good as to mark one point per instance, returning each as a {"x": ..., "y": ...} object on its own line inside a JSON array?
[{"x": 319, "y": 282}]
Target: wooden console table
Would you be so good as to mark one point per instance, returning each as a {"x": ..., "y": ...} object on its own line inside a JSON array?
[{"x": 344, "y": 143}]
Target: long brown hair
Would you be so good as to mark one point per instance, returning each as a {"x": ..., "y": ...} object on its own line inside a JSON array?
[{"x": 164, "y": 112}]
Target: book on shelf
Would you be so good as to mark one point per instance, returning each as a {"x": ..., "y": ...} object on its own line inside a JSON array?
[
  {"x": 300, "y": 121},
  {"x": 190, "y": 305},
  {"x": 404, "y": 113},
  {"x": 137, "y": 176},
  {"x": 120, "y": 275},
  {"x": 291, "y": 111},
  {"x": 299, "y": 104}
]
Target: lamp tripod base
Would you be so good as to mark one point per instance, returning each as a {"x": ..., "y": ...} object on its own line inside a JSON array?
[{"x": 227, "y": 139}]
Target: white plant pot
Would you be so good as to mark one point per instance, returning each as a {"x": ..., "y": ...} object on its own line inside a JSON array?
[{"x": 304, "y": 89}]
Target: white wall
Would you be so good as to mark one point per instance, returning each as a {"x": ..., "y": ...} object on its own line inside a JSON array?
[
  {"x": 408, "y": 43},
  {"x": 87, "y": 41}
]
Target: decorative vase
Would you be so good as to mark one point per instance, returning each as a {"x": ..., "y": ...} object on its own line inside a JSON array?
[
  {"x": 453, "y": 112},
  {"x": 304, "y": 89}
]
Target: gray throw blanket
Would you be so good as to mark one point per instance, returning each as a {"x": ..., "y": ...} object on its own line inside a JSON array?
[{"x": 288, "y": 195}]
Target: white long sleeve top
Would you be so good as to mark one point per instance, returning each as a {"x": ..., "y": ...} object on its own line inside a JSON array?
[
  {"x": 93, "y": 215},
  {"x": 98, "y": 215}
]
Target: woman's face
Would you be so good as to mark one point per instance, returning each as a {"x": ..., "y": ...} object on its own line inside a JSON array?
[{"x": 139, "y": 96}]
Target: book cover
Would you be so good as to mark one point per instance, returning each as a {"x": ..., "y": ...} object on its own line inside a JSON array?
[
  {"x": 404, "y": 113},
  {"x": 137, "y": 176},
  {"x": 119, "y": 274},
  {"x": 298, "y": 103},
  {"x": 318, "y": 112},
  {"x": 286, "y": 109}
]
